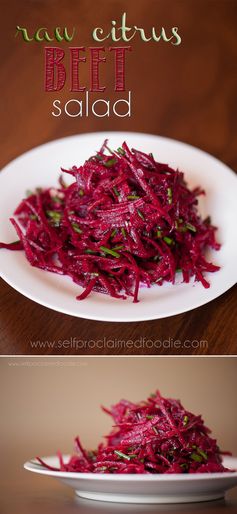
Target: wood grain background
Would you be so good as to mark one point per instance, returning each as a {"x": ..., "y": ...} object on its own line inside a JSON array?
[{"x": 186, "y": 92}]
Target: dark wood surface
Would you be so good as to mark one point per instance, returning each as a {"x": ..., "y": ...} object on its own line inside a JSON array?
[{"x": 186, "y": 92}]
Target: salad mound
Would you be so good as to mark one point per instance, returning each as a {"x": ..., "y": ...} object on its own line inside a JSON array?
[
  {"x": 154, "y": 436},
  {"x": 126, "y": 221}
]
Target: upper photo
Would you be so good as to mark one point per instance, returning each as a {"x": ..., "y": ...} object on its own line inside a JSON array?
[{"x": 118, "y": 177}]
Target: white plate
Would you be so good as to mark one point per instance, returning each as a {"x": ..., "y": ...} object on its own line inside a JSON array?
[
  {"x": 144, "y": 488},
  {"x": 40, "y": 167}
]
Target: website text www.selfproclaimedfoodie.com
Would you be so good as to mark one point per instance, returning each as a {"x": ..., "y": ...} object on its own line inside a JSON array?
[
  {"x": 48, "y": 363},
  {"x": 142, "y": 343}
]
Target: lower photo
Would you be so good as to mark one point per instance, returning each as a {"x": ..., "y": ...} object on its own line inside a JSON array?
[{"x": 118, "y": 435}]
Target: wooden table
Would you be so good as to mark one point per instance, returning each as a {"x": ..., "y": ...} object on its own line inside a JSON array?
[{"x": 186, "y": 92}]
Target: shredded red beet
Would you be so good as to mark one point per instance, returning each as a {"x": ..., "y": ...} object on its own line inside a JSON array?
[
  {"x": 126, "y": 221},
  {"x": 154, "y": 436}
]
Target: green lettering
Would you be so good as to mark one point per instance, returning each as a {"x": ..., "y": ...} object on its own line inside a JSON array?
[
  {"x": 58, "y": 35},
  {"x": 100, "y": 31},
  {"x": 66, "y": 35},
  {"x": 164, "y": 37},
  {"x": 45, "y": 35},
  {"x": 143, "y": 35},
  {"x": 177, "y": 36},
  {"x": 24, "y": 34}
]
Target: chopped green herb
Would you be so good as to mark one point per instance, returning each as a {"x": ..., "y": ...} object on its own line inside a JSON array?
[
  {"x": 121, "y": 151},
  {"x": 149, "y": 417},
  {"x": 118, "y": 247},
  {"x": 170, "y": 194},
  {"x": 202, "y": 453},
  {"x": 109, "y": 251},
  {"x": 76, "y": 228},
  {"x": 185, "y": 420},
  {"x": 189, "y": 226},
  {"x": 88, "y": 250},
  {"x": 116, "y": 192},
  {"x": 110, "y": 162},
  {"x": 159, "y": 233},
  {"x": 133, "y": 197},
  {"x": 54, "y": 215},
  {"x": 168, "y": 240},
  {"x": 123, "y": 232},
  {"x": 113, "y": 233},
  {"x": 81, "y": 192},
  {"x": 33, "y": 217},
  {"x": 196, "y": 457},
  {"x": 121, "y": 454},
  {"x": 140, "y": 214}
]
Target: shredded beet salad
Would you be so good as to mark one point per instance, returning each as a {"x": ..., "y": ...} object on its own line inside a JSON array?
[
  {"x": 154, "y": 436},
  {"x": 126, "y": 221}
]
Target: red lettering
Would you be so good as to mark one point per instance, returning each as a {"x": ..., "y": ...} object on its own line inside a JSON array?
[
  {"x": 94, "y": 68},
  {"x": 55, "y": 70},
  {"x": 119, "y": 66},
  {"x": 75, "y": 59},
  {"x": 55, "y": 74}
]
